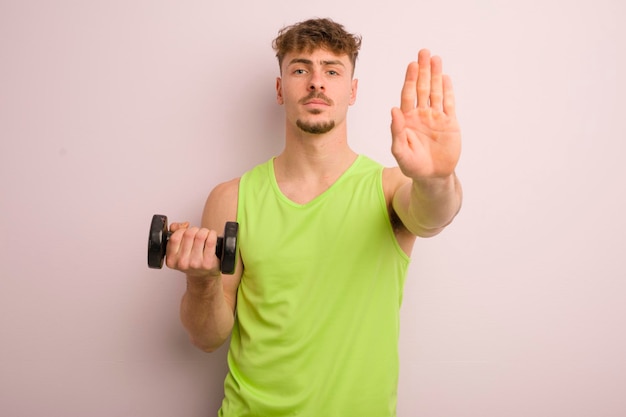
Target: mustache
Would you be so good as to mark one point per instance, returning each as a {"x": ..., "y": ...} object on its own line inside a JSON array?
[{"x": 316, "y": 96}]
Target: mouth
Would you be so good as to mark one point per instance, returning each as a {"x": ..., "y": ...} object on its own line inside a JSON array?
[{"x": 317, "y": 101}]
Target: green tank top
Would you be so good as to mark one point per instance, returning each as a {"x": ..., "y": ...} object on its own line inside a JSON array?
[{"x": 317, "y": 322}]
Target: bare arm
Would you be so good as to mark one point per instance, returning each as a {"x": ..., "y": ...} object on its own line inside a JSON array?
[
  {"x": 208, "y": 305},
  {"x": 426, "y": 142},
  {"x": 427, "y": 207}
]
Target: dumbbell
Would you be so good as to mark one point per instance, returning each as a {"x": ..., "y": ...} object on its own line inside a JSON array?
[{"x": 225, "y": 249}]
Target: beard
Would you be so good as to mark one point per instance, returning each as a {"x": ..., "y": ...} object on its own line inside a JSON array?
[{"x": 315, "y": 128}]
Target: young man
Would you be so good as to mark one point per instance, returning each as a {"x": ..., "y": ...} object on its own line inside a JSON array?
[{"x": 324, "y": 240}]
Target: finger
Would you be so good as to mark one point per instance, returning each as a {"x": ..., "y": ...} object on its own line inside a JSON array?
[
  {"x": 423, "y": 78},
  {"x": 173, "y": 248},
  {"x": 183, "y": 255},
  {"x": 209, "y": 249},
  {"x": 436, "y": 83},
  {"x": 197, "y": 250},
  {"x": 408, "y": 95},
  {"x": 449, "y": 105},
  {"x": 177, "y": 226}
]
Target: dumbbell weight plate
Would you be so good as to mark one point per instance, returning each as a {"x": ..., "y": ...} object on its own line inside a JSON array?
[
  {"x": 157, "y": 241},
  {"x": 228, "y": 256}
]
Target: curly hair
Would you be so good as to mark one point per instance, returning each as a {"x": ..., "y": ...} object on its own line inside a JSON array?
[{"x": 312, "y": 34}]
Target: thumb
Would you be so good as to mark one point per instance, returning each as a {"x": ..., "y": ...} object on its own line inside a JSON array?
[
  {"x": 177, "y": 226},
  {"x": 397, "y": 122}
]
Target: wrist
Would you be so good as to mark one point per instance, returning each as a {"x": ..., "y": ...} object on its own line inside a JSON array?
[
  {"x": 202, "y": 285},
  {"x": 435, "y": 184}
]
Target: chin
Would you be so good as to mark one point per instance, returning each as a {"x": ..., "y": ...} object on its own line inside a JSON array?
[{"x": 317, "y": 128}]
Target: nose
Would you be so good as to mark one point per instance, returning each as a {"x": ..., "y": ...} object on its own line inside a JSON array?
[{"x": 316, "y": 83}]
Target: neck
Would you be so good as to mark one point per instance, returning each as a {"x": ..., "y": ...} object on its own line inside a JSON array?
[
  {"x": 315, "y": 156},
  {"x": 310, "y": 164}
]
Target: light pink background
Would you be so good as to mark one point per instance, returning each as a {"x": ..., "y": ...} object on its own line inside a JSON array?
[{"x": 111, "y": 111}]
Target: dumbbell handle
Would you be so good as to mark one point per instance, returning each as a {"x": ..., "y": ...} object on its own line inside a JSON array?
[{"x": 219, "y": 245}]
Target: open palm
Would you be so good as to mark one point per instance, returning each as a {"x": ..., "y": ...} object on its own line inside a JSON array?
[{"x": 426, "y": 138}]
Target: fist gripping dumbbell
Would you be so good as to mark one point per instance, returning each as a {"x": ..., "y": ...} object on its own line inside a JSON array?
[{"x": 225, "y": 249}]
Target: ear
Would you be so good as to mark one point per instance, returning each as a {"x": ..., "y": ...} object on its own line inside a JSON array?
[
  {"x": 355, "y": 85},
  {"x": 279, "y": 91}
]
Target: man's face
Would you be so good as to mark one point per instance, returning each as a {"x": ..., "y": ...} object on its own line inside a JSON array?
[{"x": 316, "y": 89}]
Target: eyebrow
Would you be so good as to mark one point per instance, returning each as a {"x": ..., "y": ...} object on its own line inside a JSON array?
[{"x": 309, "y": 62}]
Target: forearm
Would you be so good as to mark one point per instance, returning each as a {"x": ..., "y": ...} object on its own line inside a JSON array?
[
  {"x": 425, "y": 207},
  {"x": 205, "y": 313}
]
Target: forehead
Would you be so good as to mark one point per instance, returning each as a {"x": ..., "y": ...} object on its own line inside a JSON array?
[{"x": 318, "y": 56}]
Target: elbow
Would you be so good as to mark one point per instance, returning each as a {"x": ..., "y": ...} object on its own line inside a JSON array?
[
  {"x": 421, "y": 231},
  {"x": 207, "y": 349},
  {"x": 206, "y": 346},
  {"x": 426, "y": 233}
]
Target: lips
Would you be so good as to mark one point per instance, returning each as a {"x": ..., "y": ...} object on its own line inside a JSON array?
[{"x": 316, "y": 101}]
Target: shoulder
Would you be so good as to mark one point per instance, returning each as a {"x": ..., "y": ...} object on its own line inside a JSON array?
[
  {"x": 221, "y": 204},
  {"x": 226, "y": 190}
]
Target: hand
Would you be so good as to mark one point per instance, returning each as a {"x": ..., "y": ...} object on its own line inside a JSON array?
[
  {"x": 426, "y": 138},
  {"x": 192, "y": 250}
]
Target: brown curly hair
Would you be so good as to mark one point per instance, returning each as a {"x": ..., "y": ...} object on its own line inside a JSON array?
[{"x": 312, "y": 34}]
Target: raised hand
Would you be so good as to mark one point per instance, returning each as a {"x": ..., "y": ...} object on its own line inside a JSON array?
[{"x": 426, "y": 138}]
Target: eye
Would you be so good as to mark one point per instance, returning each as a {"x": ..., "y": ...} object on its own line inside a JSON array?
[{"x": 299, "y": 71}]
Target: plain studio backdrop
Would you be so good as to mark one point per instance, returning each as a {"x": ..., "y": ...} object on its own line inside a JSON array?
[{"x": 111, "y": 111}]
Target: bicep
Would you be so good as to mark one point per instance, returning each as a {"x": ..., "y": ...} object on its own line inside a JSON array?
[{"x": 221, "y": 207}]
